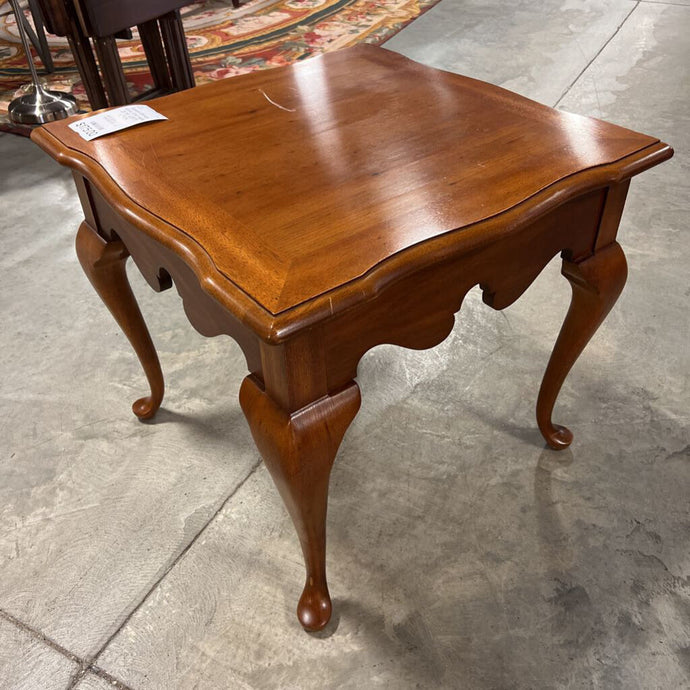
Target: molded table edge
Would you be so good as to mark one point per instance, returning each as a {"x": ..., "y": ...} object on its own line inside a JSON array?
[{"x": 275, "y": 328}]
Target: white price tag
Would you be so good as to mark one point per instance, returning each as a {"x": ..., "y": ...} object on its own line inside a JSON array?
[{"x": 114, "y": 120}]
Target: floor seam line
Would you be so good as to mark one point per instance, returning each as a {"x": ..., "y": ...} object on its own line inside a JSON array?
[
  {"x": 83, "y": 664},
  {"x": 598, "y": 53},
  {"x": 656, "y": 2},
  {"x": 100, "y": 673},
  {"x": 41, "y": 637},
  {"x": 92, "y": 660}
]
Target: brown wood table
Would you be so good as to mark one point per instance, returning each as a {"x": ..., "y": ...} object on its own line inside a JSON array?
[{"x": 316, "y": 211}]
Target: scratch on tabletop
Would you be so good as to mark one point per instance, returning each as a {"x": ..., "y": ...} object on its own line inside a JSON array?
[
  {"x": 277, "y": 105},
  {"x": 155, "y": 154}
]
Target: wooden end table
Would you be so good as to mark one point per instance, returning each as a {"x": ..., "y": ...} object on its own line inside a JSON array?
[{"x": 316, "y": 211}]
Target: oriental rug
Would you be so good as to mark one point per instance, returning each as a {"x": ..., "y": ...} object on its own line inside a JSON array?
[{"x": 223, "y": 41}]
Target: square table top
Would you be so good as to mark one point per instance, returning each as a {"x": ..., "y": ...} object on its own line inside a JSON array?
[{"x": 299, "y": 181}]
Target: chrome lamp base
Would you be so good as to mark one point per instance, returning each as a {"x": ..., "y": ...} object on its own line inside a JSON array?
[{"x": 40, "y": 105}]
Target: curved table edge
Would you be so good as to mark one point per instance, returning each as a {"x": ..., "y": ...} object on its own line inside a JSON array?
[{"x": 278, "y": 327}]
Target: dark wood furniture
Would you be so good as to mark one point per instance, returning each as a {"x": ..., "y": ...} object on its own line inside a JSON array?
[
  {"x": 162, "y": 36},
  {"x": 36, "y": 34},
  {"x": 61, "y": 19},
  {"x": 311, "y": 215}
]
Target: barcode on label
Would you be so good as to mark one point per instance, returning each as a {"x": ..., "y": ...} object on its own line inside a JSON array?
[{"x": 114, "y": 120}]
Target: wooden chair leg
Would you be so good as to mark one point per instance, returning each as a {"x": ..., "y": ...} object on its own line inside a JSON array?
[
  {"x": 111, "y": 68},
  {"x": 596, "y": 283},
  {"x": 88, "y": 71},
  {"x": 104, "y": 265},
  {"x": 176, "y": 51},
  {"x": 155, "y": 54}
]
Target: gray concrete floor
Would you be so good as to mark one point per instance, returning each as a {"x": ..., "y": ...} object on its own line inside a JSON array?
[{"x": 462, "y": 553}]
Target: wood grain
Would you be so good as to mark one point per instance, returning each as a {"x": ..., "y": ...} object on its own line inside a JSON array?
[
  {"x": 398, "y": 157},
  {"x": 104, "y": 265},
  {"x": 299, "y": 450},
  {"x": 596, "y": 283},
  {"x": 312, "y": 216}
]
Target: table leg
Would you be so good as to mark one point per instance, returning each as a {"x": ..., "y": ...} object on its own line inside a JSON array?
[
  {"x": 299, "y": 450},
  {"x": 596, "y": 283},
  {"x": 104, "y": 264}
]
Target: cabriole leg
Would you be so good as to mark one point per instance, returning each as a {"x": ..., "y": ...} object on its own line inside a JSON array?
[
  {"x": 596, "y": 283},
  {"x": 104, "y": 264},
  {"x": 299, "y": 450}
]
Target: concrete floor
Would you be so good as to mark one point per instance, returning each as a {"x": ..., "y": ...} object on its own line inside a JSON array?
[{"x": 462, "y": 553}]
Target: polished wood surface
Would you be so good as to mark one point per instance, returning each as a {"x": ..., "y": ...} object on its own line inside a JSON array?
[
  {"x": 299, "y": 450},
  {"x": 381, "y": 157},
  {"x": 104, "y": 265},
  {"x": 314, "y": 212},
  {"x": 597, "y": 283}
]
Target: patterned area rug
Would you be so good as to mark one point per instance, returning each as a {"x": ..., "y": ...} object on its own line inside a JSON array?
[{"x": 223, "y": 41}]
